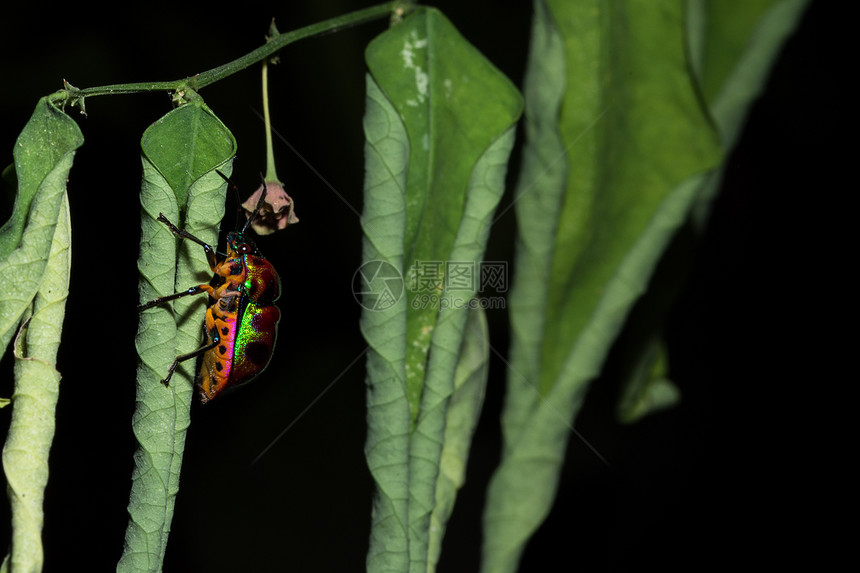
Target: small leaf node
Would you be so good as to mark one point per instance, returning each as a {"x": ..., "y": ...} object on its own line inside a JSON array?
[
  {"x": 69, "y": 95},
  {"x": 184, "y": 94},
  {"x": 273, "y": 33}
]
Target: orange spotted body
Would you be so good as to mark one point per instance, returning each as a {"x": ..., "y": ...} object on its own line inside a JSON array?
[{"x": 241, "y": 323}]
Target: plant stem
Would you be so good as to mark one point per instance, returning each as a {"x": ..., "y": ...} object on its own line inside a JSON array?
[
  {"x": 271, "y": 173},
  {"x": 274, "y": 44}
]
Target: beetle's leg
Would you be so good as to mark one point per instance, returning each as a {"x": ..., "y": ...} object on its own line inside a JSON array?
[
  {"x": 167, "y": 298},
  {"x": 211, "y": 253},
  {"x": 189, "y": 356}
]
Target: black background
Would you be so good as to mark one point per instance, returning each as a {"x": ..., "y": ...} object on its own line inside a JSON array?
[{"x": 706, "y": 483}]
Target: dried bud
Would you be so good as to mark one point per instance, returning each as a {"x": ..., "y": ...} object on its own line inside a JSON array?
[{"x": 276, "y": 212}]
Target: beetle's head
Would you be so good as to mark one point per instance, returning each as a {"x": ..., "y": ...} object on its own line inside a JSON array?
[{"x": 241, "y": 243}]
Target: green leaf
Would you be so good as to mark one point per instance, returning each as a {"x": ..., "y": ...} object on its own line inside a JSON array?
[
  {"x": 207, "y": 139},
  {"x": 43, "y": 158},
  {"x": 732, "y": 47},
  {"x": 616, "y": 140},
  {"x": 735, "y": 44},
  {"x": 384, "y": 328},
  {"x": 619, "y": 153},
  {"x": 179, "y": 162},
  {"x": 437, "y": 151},
  {"x": 464, "y": 409},
  {"x": 35, "y": 251},
  {"x": 648, "y": 388},
  {"x": 37, "y": 387},
  {"x": 422, "y": 65}
]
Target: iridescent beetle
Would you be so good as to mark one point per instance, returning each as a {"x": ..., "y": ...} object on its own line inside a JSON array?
[{"x": 241, "y": 324}]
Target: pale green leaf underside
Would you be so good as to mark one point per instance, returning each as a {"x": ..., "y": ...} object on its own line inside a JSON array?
[
  {"x": 438, "y": 83},
  {"x": 37, "y": 387},
  {"x": 388, "y": 422},
  {"x": 35, "y": 250},
  {"x": 179, "y": 161},
  {"x": 43, "y": 158},
  {"x": 464, "y": 409},
  {"x": 437, "y": 152}
]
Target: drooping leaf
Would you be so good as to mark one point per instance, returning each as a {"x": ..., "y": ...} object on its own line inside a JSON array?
[
  {"x": 384, "y": 328},
  {"x": 649, "y": 388},
  {"x": 616, "y": 136},
  {"x": 450, "y": 122},
  {"x": 43, "y": 158},
  {"x": 735, "y": 44},
  {"x": 179, "y": 161},
  {"x": 464, "y": 409},
  {"x": 620, "y": 152},
  {"x": 437, "y": 150},
  {"x": 732, "y": 45},
  {"x": 37, "y": 388},
  {"x": 192, "y": 123},
  {"x": 34, "y": 255}
]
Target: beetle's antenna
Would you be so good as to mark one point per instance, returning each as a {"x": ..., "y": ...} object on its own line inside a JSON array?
[
  {"x": 229, "y": 182},
  {"x": 259, "y": 206},
  {"x": 235, "y": 188},
  {"x": 257, "y": 209}
]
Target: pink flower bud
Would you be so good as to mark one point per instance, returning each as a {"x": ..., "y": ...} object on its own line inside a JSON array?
[{"x": 276, "y": 212}]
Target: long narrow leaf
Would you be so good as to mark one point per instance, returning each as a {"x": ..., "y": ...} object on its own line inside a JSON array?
[
  {"x": 37, "y": 388},
  {"x": 617, "y": 141},
  {"x": 388, "y": 422},
  {"x": 180, "y": 153},
  {"x": 437, "y": 154},
  {"x": 464, "y": 409},
  {"x": 39, "y": 264},
  {"x": 43, "y": 158},
  {"x": 732, "y": 46}
]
